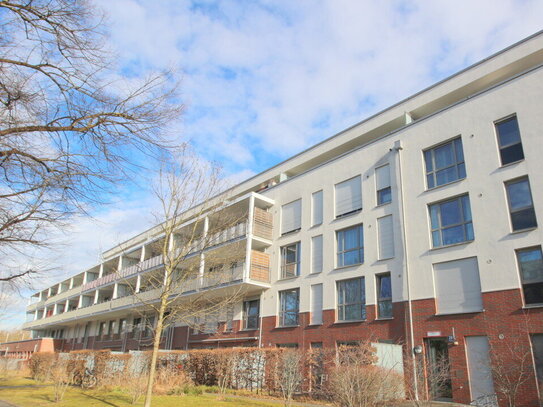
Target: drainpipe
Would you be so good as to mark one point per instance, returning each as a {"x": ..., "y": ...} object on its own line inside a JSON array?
[{"x": 398, "y": 148}]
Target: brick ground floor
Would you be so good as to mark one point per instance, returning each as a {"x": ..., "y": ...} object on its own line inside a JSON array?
[{"x": 504, "y": 330}]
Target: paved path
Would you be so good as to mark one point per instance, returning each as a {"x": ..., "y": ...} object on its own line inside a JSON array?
[{"x": 6, "y": 404}]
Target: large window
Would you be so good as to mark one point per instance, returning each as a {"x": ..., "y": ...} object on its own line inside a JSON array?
[
  {"x": 382, "y": 184},
  {"x": 509, "y": 140},
  {"x": 451, "y": 222},
  {"x": 290, "y": 260},
  {"x": 445, "y": 163},
  {"x": 291, "y": 217},
  {"x": 350, "y": 246},
  {"x": 458, "y": 286},
  {"x": 531, "y": 272},
  {"x": 521, "y": 206},
  {"x": 251, "y": 314},
  {"x": 351, "y": 300},
  {"x": 384, "y": 296},
  {"x": 348, "y": 196},
  {"x": 289, "y": 306}
]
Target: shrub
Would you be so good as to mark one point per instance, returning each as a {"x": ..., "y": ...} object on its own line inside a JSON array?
[
  {"x": 40, "y": 365},
  {"x": 360, "y": 385}
]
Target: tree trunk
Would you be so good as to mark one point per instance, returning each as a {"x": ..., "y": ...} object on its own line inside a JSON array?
[{"x": 156, "y": 346}]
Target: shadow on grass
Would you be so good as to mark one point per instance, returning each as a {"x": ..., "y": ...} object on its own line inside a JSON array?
[{"x": 104, "y": 399}]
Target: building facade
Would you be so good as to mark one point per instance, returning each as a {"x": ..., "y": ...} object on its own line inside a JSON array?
[{"x": 419, "y": 225}]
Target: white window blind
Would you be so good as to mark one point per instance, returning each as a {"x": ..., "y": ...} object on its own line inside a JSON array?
[
  {"x": 316, "y": 254},
  {"x": 317, "y": 208},
  {"x": 386, "y": 237},
  {"x": 458, "y": 287},
  {"x": 316, "y": 304},
  {"x": 348, "y": 196},
  {"x": 291, "y": 216},
  {"x": 382, "y": 177}
]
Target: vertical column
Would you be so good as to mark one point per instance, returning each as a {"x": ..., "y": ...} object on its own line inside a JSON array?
[
  {"x": 96, "y": 295},
  {"x": 115, "y": 290},
  {"x": 67, "y": 306},
  {"x": 101, "y": 272},
  {"x": 138, "y": 283},
  {"x": 71, "y": 283},
  {"x": 249, "y": 240},
  {"x": 80, "y": 302}
]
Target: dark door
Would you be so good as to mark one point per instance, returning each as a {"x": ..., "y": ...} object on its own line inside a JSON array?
[{"x": 438, "y": 371}]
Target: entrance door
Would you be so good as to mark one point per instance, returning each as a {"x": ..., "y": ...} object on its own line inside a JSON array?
[
  {"x": 480, "y": 373},
  {"x": 438, "y": 372}
]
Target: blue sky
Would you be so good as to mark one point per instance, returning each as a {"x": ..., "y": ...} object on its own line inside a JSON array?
[{"x": 263, "y": 80}]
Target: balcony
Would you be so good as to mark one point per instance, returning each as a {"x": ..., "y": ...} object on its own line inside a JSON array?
[{"x": 257, "y": 275}]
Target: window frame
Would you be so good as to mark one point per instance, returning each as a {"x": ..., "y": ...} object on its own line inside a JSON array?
[
  {"x": 440, "y": 227},
  {"x": 283, "y": 311},
  {"x": 380, "y": 300},
  {"x": 294, "y": 229},
  {"x": 524, "y": 208},
  {"x": 503, "y": 147},
  {"x": 340, "y": 254},
  {"x": 521, "y": 274},
  {"x": 433, "y": 172},
  {"x": 379, "y": 191},
  {"x": 285, "y": 265},
  {"x": 353, "y": 211},
  {"x": 320, "y": 193},
  {"x": 247, "y": 317},
  {"x": 340, "y": 299}
]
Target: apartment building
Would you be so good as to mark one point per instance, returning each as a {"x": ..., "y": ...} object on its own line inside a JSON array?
[{"x": 419, "y": 225}]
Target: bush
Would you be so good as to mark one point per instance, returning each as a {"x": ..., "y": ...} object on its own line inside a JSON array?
[
  {"x": 40, "y": 365},
  {"x": 361, "y": 385}
]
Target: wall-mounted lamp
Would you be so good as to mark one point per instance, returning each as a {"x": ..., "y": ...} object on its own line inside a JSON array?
[{"x": 417, "y": 350}]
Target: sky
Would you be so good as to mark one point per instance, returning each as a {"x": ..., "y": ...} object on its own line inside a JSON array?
[{"x": 263, "y": 80}]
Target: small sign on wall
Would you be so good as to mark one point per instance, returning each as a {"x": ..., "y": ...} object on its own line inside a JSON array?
[{"x": 433, "y": 333}]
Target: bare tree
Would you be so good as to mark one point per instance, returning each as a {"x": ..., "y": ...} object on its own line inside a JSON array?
[
  {"x": 290, "y": 374},
  {"x": 69, "y": 128},
  {"x": 511, "y": 362},
  {"x": 192, "y": 222}
]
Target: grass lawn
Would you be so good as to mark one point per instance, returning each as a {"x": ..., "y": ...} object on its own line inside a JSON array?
[{"x": 44, "y": 396}]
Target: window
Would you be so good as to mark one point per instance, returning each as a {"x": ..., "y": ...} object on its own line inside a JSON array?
[
  {"x": 348, "y": 196},
  {"x": 384, "y": 296},
  {"x": 316, "y": 201},
  {"x": 291, "y": 217},
  {"x": 149, "y": 326},
  {"x": 289, "y": 307},
  {"x": 316, "y": 304},
  {"x": 458, "y": 287},
  {"x": 316, "y": 254},
  {"x": 382, "y": 183},
  {"x": 290, "y": 260},
  {"x": 521, "y": 206},
  {"x": 229, "y": 317},
  {"x": 385, "y": 229},
  {"x": 350, "y": 246},
  {"x": 451, "y": 222},
  {"x": 136, "y": 327},
  {"x": 445, "y": 163},
  {"x": 531, "y": 272},
  {"x": 122, "y": 326},
  {"x": 351, "y": 300},
  {"x": 251, "y": 314},
  {"x": 102, "y": 328},
  {"x": 537, "y": 350},
  {"x": 509, "y": 140}
]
